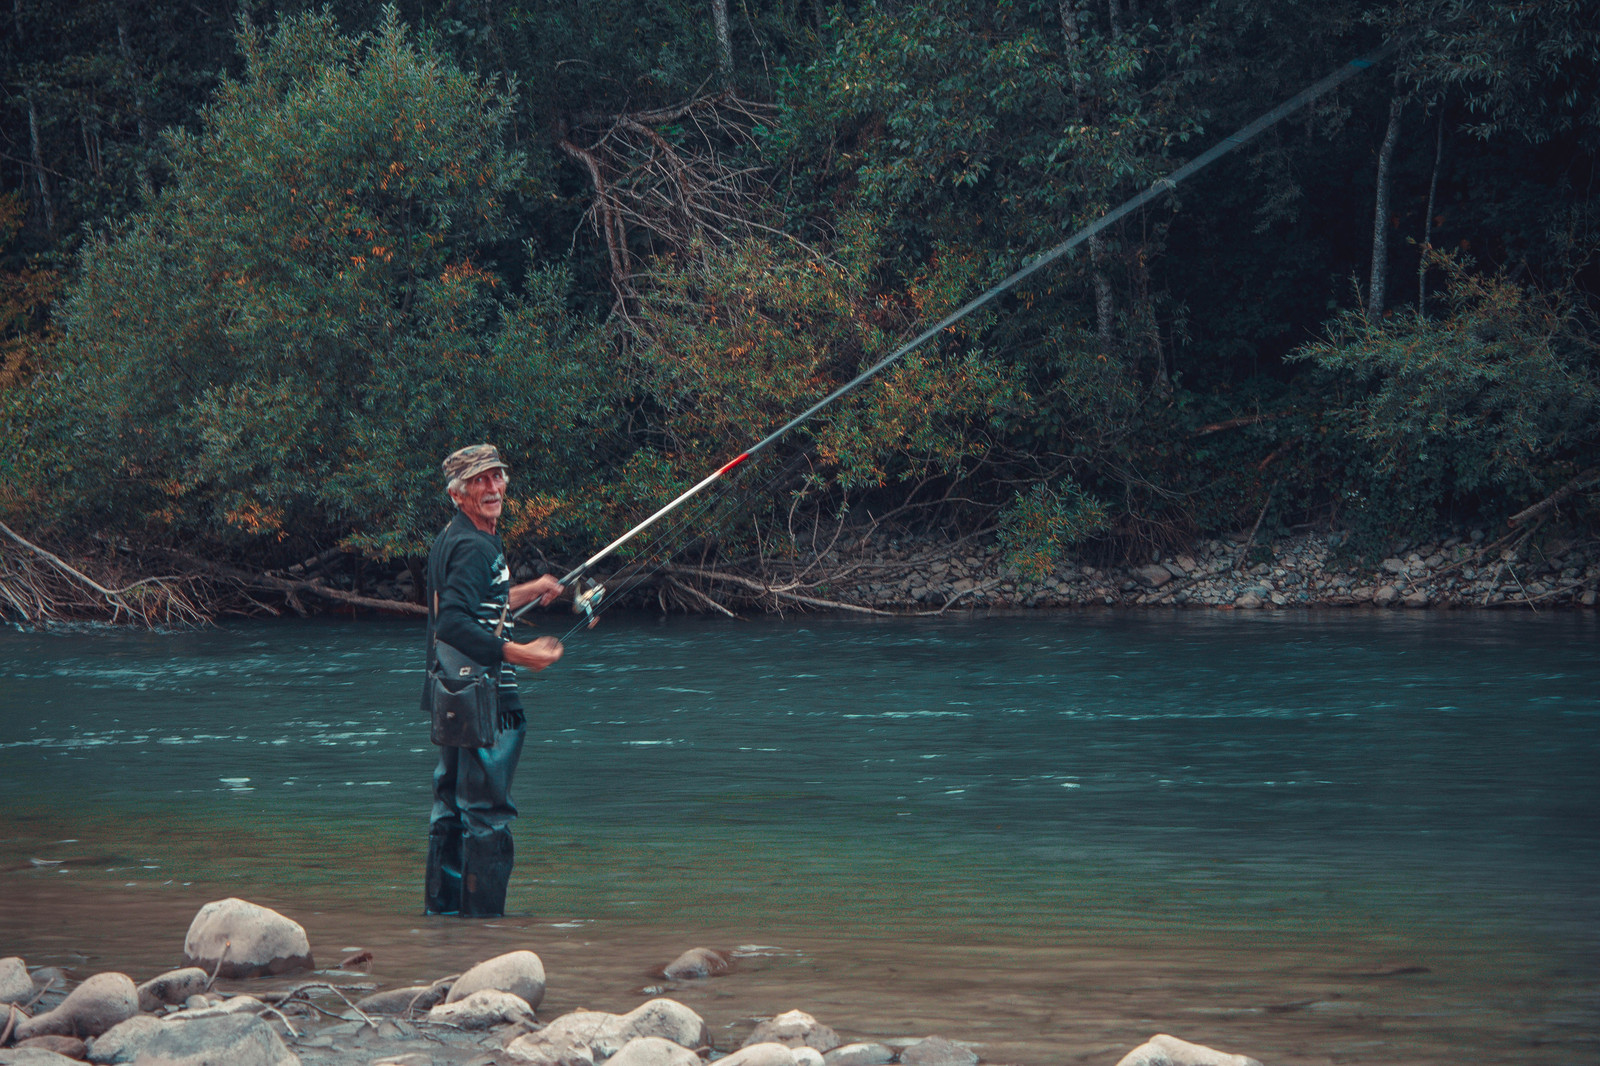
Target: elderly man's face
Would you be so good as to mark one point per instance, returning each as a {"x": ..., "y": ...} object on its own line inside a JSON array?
[{"x": 482, "y": 497}]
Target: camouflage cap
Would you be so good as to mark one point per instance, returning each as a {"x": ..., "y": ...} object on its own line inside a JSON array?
[{"x": 466, "y": 463}]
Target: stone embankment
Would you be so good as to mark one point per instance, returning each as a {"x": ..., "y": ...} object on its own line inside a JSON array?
[
  {"x": 485, "y": 1015},
  {"x": 1305, "y": 571}
]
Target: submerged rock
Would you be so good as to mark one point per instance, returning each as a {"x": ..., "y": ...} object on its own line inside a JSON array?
[
  {"x": 697, "y": 962},
  {"x": 870, "y": 1054},
  {"x": 937, "y": 1051},
  {"x": 247, "y": 939}
]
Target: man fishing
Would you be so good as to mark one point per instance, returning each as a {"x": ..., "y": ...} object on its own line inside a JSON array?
[{"x": 470, "y": 597}]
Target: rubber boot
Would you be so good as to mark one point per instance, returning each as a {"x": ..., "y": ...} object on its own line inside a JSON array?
[
  {"x": 442, "y": 888},
  {"x": 485, "y": 873}
]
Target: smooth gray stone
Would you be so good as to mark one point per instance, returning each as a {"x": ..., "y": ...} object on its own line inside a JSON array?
[
  {"x": 1164, "y": 1050},
  {"x": 518, "y": 972},
  {"x": 795, "y": 1028},
  {"x": 764, "y": 1054},
  {"x": 416, "y": 998},
  {"x": 15, "y": 984},
  {"x": 89, "y": 1010},
  {"x": 228, "y": 1040},
  {"x": 653, "y": 1051},
  {"x": 860, "y": 1055},
  {"x": 484, "y": 1009},
  {"x": 33, "y": 1056},
  {"x": 172, "y": 988}
]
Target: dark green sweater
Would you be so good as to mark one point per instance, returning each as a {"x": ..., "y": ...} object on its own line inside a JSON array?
[{"x": 467, "y": 571}]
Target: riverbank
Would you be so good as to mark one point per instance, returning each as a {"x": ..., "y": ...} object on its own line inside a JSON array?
[
  {"x": 918, "y": 575},
  {"x": 878, "y": 573},
  {"x": 1380, "y": 1001}
]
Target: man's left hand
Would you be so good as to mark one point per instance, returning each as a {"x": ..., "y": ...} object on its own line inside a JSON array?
[{"x": 545, "y": 589}]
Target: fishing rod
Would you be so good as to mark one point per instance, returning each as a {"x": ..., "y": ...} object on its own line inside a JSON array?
[{"x": 587, "y": 602}]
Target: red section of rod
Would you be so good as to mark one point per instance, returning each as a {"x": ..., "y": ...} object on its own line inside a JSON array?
[{"x": 731, "y": 463}]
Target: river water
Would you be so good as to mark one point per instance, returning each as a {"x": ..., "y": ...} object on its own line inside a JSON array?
[{"x": 1307, "y": 837}]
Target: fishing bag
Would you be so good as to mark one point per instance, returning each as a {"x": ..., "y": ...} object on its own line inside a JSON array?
[{"x": 463, "y": 695}]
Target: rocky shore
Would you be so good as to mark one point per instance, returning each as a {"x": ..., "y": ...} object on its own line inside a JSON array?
[
  {"x": 1465, "y": 570},
  {"x": 485, "y": 1015}
]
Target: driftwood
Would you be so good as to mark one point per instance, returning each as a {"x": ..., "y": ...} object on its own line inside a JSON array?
[
  {"x": 1557, "y": 498},
  {"x": 57, "y": 588},
  {"x": 291, "y": 588}
]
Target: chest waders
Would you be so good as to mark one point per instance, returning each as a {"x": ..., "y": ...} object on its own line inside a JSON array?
[{"x": 469, "y": 834}]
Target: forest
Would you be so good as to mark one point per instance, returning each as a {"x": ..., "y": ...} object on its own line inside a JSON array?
[{"x": 262, "y": 265}]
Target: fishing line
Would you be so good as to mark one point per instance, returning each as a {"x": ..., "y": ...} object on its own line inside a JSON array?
[{"x": 1158, "y": 188}]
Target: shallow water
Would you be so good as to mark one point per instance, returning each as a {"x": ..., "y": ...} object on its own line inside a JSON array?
[{"x": 1051, "y": 834}]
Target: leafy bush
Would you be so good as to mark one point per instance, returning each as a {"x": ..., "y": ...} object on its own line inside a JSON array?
[{"x": 1494, "y": 405}]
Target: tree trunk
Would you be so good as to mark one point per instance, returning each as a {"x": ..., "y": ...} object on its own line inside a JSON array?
[
  {"x": 719, "y": 18},
  {"x": 1105, "y": 308},
  {"x": 1427, "y": 222},
  {"x": 1104, "y": 297},
  {"x": 1069, "y": 24},
  {"x": 38, "y": 168},
  {"x": 1378, "y": 282}
]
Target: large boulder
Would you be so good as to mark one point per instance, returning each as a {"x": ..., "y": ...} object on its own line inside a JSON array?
[
  {"x": 654, "y": 1051},
  {"x": 484, "y": 1009},
  {"x": 696, "y": 963},
  {"x": 1164, "y": 1050},
  {"x": 93, "y": 1007},
  {"x": 518, "y": 972},
  {"x": 247, "y": 939},
  {"x": 937, "y": 1051},
  {"x": 15, "y": 984},
  {"x": 172, "y": 988},
  {"x": 795, "y": 1028},
  {"x": 231, "y": 1040}
]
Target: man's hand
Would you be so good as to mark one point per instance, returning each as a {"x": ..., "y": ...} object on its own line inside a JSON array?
[
  {"x": 544, "y": 589},
  {"x": 535, "y": 655}
]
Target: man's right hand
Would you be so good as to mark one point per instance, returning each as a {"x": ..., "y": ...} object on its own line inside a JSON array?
[{"x": 535, "y": 655}]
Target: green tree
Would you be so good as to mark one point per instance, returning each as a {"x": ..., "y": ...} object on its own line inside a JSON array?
[
  {"x": 288, "y": 336},
  {"x": 1491, "y": 406}
]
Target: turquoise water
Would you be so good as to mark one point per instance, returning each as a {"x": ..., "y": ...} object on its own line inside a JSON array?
[{"x": 1393, "y": 780}]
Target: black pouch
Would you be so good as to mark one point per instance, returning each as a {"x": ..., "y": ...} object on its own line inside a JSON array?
[
  {"x": 463, "y": 698},
  {"x": 462, "y": 695}
]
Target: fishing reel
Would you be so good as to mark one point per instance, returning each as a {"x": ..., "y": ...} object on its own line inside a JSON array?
[{"x": 587, "y": 602}]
